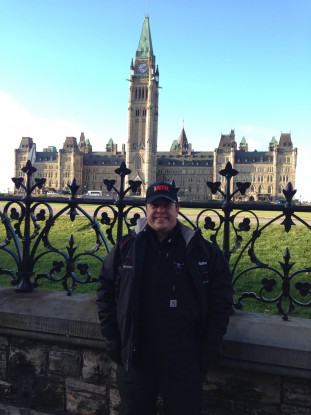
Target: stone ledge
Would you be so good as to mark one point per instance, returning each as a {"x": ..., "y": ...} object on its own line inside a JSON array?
[
  {"x": 267, "y": 343},
  {"x": 259, "y": 341},
  {"x": 48, "y": 314}
]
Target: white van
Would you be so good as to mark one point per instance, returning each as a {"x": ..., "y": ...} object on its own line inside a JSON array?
[{"x": 96, "y": 193}]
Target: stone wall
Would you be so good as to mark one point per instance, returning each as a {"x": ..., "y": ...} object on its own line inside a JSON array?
[{"x": 51, "y": 361}]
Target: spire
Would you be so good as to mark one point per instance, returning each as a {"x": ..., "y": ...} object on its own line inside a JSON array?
[
  {"x": 82, "y": 140},
  {"x": 182, "y": 140},
  {"x": 144, "y": 49},
  {"x": 109, "y": 146},
  {"x": 243, "y": 145}
]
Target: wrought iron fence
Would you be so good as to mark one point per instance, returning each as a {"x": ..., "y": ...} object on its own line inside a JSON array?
[{"x": 30, "y": 251}]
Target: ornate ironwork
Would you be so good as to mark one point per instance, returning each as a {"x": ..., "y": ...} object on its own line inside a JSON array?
[{"x": 29, "y": 226}]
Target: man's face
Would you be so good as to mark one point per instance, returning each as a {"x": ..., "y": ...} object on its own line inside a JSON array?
[{"x": 162, "y": 215}]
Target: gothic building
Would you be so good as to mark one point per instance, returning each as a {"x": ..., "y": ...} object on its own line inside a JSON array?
[{"x": 268, "y": 171}]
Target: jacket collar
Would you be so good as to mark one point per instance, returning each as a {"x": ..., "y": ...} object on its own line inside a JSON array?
[{"x": 186, "y": 232}]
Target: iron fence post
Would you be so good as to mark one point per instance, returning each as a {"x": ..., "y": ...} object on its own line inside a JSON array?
[
  {"x": 122, "y": 171},
  {"x": 120, "y": 206},
  {"x": 26, "y": 271},
  {"x": 25, "y": 266},
  {"x": 227, "y": 209}
]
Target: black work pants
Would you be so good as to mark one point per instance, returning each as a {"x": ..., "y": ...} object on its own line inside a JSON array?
[{"x": 177, "y": 377}]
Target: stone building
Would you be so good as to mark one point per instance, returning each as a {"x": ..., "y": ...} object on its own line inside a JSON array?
[{"x": 268, "y": 171}]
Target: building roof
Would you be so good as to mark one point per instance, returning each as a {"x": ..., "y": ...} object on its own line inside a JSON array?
[
  {"x": 227, "y": 140},
  {"x": 46, "y": 156},
  {"x": 70, "y": 142},
  {"x": 196, "y": 159},
  {"x": 144, "y": 49},
  {"x": 286, "y": 140},
  {"x": 174, "y": 145},
  {"x": 249, "y": 157},
  {"x": 103, "y": 158},
  {"x": 182, "y": 140}
]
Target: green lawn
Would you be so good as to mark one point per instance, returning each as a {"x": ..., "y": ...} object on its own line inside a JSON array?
[{"x": 76, "y": 242}]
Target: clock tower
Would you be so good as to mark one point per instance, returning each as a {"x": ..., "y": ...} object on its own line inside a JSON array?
[{"x": 141, "y": 154}]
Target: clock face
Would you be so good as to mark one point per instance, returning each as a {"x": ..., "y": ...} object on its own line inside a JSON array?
[{"x": 142, "y": 68}]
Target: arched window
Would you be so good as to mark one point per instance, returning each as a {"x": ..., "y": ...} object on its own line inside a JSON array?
[
  {"x": 137, "y": 162},
  {"x": 270, "y": 189}
]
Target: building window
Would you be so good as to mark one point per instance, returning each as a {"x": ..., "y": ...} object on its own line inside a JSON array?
[{"x": 137, "y": 163}]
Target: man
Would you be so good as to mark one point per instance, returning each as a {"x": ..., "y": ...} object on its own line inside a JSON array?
[{"x": 164, "y": 299}]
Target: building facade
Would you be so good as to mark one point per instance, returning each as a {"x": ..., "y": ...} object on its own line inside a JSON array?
[{"x": 268, "y": 171}]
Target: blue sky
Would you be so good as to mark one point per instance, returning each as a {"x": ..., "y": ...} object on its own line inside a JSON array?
[{"x": 242, "y": 65}]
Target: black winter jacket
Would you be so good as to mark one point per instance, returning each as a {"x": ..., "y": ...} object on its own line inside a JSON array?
[{"x": 119, "y": 285}]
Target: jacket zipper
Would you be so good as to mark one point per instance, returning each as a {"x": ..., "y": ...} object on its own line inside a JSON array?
[{"x": 131, "y": 346}]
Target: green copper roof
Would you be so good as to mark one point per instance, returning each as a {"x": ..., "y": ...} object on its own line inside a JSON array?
[
  {"x": 273, "y": 140},
  {"x": 243, "y": 141},
  {"x": 174, "y": 145},
  {"x": 144, "y": 49}
]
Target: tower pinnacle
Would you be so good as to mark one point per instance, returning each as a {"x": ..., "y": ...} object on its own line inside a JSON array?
[{"x": 144, "y": 49}]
